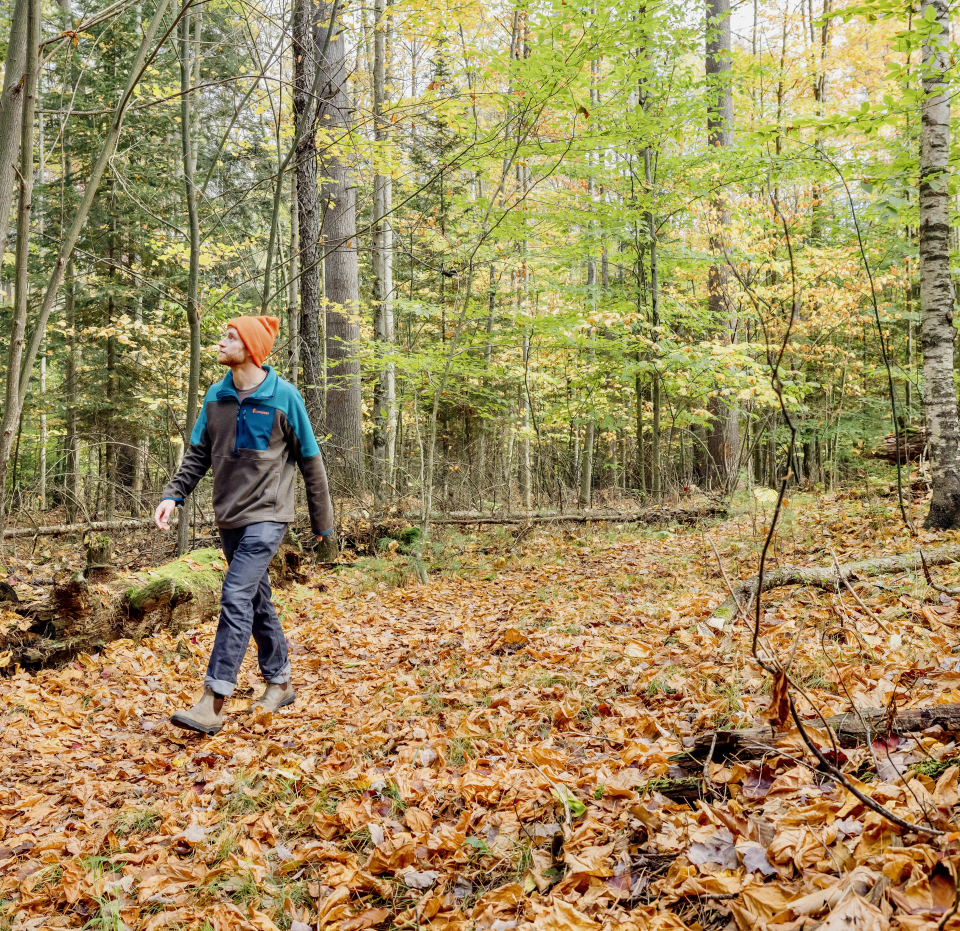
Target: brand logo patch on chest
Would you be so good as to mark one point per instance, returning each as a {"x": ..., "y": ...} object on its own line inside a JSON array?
[{"x": 260, "y": 412}]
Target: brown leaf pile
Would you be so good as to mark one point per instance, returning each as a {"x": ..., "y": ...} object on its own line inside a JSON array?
[{"x": 489, "y": 751}]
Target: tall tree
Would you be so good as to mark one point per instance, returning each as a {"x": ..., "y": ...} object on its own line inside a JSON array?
[
  {"x": 12, "y": 408},
  {"x": 936, "y": 289},
  {"x": 384, "y": 390},
  {"x": 723, "y": 440},
  {"x": 307, "y": 20},
  {"x": 193, "y": 276},
  {"x": 340, "y": 274}
]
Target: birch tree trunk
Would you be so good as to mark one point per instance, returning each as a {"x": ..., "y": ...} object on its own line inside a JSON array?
[
  {"x": 340, "y": 275},
  {"x": 723, "y": 441},
  {"x": 384, "y": 391},
  {"x": 936, "y": 291},
  {"x": 193, "y": 280}
]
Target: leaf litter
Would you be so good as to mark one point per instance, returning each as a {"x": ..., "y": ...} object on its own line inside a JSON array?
[{"x": 499, "y": 749}]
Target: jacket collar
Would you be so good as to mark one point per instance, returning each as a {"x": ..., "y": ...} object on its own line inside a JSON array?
[{"x": 265, "y": 391}]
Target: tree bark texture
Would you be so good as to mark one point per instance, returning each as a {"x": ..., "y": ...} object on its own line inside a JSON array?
[
  {"x": 723, "y": 441},
  {"x": 936, "y": 290},
  {"x": 307, "y": 22},
  {"x": 340, "y": 274}
]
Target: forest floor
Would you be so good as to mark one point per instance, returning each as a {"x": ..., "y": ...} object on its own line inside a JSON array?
[{"x": 447, "y": 736}]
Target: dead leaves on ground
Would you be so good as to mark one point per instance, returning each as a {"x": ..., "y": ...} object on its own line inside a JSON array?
[{"x": 485, "y": 754}]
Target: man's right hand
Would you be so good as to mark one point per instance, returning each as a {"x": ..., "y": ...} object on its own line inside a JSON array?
[{"x": 162, "y": 515}]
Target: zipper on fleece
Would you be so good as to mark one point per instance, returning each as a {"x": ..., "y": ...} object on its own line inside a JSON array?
[{"x": 236, "y": 445}]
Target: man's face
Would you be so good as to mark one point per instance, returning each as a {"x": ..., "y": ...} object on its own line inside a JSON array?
[{"x": 230, "y": 349}]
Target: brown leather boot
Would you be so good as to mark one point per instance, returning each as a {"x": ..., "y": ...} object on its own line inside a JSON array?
[
  {"x": 273, "y": 698},
  {"x": 206, "y": 716}
]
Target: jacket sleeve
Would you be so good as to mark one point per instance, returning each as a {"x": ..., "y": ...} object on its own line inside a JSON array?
[
  {"x": 309, "y": 459},
  {"x": 195, "y": 463}
]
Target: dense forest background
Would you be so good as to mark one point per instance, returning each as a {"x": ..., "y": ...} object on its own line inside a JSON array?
[{"x": 525, "y": 255}]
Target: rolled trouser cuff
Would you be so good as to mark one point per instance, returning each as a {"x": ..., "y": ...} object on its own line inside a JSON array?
[
  {"x": 219, "y": 686},
  {"x": 280, "y": 677}
]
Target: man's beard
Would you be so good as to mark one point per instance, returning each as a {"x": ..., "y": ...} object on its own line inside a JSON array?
[{"x": 227, "y": 358}]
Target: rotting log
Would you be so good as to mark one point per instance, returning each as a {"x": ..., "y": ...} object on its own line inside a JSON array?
[
  {"x": 827, "y": 578},
  {"x": 81, "y": 616},
  {"x": 851, "y": 728}
]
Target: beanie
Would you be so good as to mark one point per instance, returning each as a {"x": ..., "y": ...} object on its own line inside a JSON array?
[{"x": 258, "y": 335}]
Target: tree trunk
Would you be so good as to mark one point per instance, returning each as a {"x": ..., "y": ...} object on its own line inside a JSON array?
[
  {"x": 723, "y": 441},
  {"x": 13, "y": 406},
  {"x": 340, "y": 275},
  {"x": 11, "y": 106},
  {"x": 71, "y": 484},
  {"x": 936, "y": 290},
  {"x": 656, "y": 472},
  {"x": 193, "y": 280},
  {"x": 293, "y": 318},
  {"x": 306, "y": 27},
  {"x": 384, "y": 390}
]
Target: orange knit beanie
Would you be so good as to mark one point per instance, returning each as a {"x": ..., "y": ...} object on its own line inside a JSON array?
[{"x": 258, "y": 335}]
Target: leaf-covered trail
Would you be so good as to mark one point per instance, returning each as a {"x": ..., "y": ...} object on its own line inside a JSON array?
[{"x": 443, "y": 732}]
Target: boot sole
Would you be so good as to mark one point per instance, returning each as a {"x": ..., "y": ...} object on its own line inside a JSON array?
[
  {"x": 188, "y": 724},
  {"x": 284, "y": 704}
]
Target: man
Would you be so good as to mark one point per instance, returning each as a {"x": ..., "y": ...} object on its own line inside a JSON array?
[{"x": 253, "y": 430}]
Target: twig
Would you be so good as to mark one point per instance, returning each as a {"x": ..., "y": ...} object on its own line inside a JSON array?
[
  {"x": 706, "y": 769},
  {"x": 858, "y": 599},
  {"x": 723, "y": 572}
]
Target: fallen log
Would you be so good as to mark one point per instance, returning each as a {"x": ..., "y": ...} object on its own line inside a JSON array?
[
  {"x": 647, "y": 516},
  {"x": 81, "y": 616},
  {"x": 851, "y": 728},
  {"x": 96, "y": 526},
  {"x": 827, "y": 578}
]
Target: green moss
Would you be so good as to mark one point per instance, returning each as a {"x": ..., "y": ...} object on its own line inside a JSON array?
[
  {"x": 181, "y": 576},
  {"x": 935, "y": 768}
]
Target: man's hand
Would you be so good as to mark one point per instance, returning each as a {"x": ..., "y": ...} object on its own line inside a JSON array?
[{"x": 162, "y": 515}]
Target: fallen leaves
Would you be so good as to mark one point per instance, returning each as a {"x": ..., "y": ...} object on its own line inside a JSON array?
[{"x": 488, "y": 754}]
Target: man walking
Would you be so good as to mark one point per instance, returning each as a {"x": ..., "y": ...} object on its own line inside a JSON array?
[{"x": 253, "y": 430}]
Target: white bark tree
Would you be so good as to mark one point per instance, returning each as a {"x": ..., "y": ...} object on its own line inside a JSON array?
[
  {"x": 384, "y": 391},
  {"x": 936, "y": 289}
]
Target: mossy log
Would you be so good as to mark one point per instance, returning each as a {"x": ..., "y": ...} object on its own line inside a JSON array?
[{"x": 81, "y": 616}]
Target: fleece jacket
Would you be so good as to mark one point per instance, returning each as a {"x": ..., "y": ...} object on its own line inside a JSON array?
[{"x": 253, "y": 449}]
